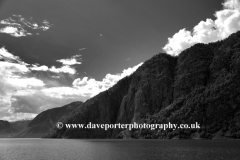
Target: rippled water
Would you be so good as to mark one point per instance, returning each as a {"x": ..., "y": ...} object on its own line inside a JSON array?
[{"x": 57, "y": 149}]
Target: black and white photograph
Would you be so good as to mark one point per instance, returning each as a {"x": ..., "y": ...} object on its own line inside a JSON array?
[{"x": 119, "y": 79}]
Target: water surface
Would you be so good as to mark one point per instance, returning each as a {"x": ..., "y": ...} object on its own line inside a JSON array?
[{"x": 60, "y": 149}]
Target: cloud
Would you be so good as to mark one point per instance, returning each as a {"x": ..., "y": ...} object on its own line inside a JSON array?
[
  {"x": 66, "y": 68},
  {"x": 25, "y": 104},
  {"x": 19, "y": 26},
  {"x": 20, "y": 82},
  {"x": 4, "y": 54},
  {"x": 23, "y": 96},
  {"x": 14, "y": 80},
  {"x": 39, "y": 68},
  {"x": 91, "y": 87},
  {"x": 227, "y": 22},
  {"x": 17, "y": 116},
  {"x": 232, "y": 4},
  {"x": 71, "y": 61},
  {"x": 14, "y": 77},
  {"x": 63, "y": 69},
  {"x": 56, "y": 77},
  {"x": 14, "y": 31},
  {"x": 82, "y": 49}
]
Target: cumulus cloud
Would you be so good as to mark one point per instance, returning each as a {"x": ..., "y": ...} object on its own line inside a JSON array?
[
  {"x": 232, "y": 4},
  {"x": 91, "y": 87},
  {"x": 4, "y": 54},
  {"x": 64, "y": 69},
  {"x": 39, "y": 68},
  {"x": 23, "y": 96},
  {"x": 19, "y": 26},
  {"x": 71, "y": 61},
  {"x": 14, "y": 79},
  {"x": 14, "y": 31},
  {"x": 227, "y": 22}
]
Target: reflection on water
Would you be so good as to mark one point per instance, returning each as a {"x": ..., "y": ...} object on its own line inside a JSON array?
[{"x": 57, "y": 149}]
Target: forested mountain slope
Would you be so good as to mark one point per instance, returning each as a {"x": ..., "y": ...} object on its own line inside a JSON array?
[
  {"x": 45, "y": 120},
  {"x": 201, "y": 85}
]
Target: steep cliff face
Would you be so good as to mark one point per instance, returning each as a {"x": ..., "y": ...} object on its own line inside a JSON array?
[
  {"x": 200, "y": 85},
  {"x": 44, "y": 121}
]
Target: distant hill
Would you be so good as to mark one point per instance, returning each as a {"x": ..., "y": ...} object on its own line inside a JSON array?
[
  {"x": 44, "y": 121},
  {"x": 4, "y": 124},
  {"x": 9, "y": 129},
  {"x": 201, "y": 85}
]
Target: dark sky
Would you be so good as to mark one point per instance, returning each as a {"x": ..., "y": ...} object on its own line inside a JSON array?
[{"x": 135, "y": 29}]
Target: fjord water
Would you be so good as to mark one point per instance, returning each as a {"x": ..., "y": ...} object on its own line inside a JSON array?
[{"x": 57, "y": 149}]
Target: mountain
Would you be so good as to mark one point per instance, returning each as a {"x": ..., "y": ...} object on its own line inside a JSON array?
[
  {"x": 4, "y": 124},
  {"x": 45, "y": 120},
  {"x": 37, "y": 127},
  {"x": 200, "y": 85},
  {"x": 9, "y": 129}
]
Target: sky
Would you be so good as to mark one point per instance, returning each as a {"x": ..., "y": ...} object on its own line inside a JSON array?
[{"x": 53, "y": 52}]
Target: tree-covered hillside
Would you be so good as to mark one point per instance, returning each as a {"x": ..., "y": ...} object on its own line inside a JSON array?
[{"x": 201, "y": 85}]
